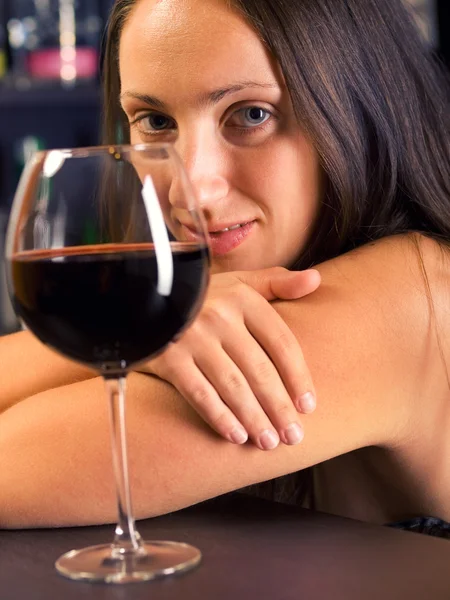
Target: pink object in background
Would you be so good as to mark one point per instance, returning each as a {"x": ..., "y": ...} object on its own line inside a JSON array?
[{"x": 48, "y": 63}]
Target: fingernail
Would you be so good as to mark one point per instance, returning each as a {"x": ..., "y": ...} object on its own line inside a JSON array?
[
  {"x": 293, "y": 434},
  {"x": 238, "y": 435},
  {"x": 307, "y": 402},
  {"x": 268, "y": 440}
]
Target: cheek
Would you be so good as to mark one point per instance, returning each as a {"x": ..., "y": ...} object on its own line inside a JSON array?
[
  {"x": 284, "y": 178},
  {"x": 287, "y": 186}
]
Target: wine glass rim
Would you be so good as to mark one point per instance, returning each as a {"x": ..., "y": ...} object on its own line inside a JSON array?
[{"x": 112, "y": 149}]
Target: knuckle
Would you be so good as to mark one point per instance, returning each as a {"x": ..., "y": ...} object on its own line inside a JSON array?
[
  {"x": 264, "y": 371},
  {"x": 200, "y": 397},
  {"x": 169, "y": 365},
  {"x": 188, "y": 341},
  {"x": 285, "y": 343},
  {"x": 216, "y": 315},
  {"x": 274, "y": 271},
  {"x": 232, "y": 381}
]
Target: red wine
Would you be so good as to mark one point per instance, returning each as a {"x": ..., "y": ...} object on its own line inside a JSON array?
[{"x": 99, "y": 305}]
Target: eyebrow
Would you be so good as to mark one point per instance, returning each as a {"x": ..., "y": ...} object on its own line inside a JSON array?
[{"x": 208, "y": 99}]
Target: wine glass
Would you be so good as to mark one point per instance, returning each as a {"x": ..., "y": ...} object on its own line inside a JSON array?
[{"x": 107, "y": 262}]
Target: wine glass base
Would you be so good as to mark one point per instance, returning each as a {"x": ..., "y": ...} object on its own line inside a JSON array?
[{"x": 157, "y": 559}]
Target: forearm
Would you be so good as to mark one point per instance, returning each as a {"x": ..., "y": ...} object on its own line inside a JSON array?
[
  {"x": 27, "y": 367},
  {"x": 373, "y": 376},
  {"x": 57, "y": 464},
  {"x": 56, "y": 455}
]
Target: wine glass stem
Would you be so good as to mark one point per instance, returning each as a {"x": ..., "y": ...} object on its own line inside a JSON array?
[{"x": 127, "y": 539}]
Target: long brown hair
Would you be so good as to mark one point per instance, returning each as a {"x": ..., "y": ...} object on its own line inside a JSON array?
[{"x": 372, "y": 97}]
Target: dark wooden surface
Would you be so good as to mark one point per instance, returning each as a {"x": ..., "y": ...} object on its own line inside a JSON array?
[{"x": 251, "y": 549}]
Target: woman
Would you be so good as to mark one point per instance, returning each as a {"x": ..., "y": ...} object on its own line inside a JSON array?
[{"x": 319, "y": 128}]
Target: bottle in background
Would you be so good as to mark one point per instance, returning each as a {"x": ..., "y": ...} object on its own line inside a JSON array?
[
  {"x": 22, "y": 37},
  {"x": 54, "y": 40}
]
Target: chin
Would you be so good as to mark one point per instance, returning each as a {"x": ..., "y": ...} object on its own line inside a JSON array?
[{"x": 225, "y": 264}]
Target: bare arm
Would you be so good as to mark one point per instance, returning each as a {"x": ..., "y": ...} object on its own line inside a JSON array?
[
  {"x": 367, "y": 337},
  {"x": 28, "y": 367}
]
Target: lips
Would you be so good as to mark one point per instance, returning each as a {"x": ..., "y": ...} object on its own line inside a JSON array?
[
  {"x": 224, "y": 241},
  {"x": 223, "y": 238}
]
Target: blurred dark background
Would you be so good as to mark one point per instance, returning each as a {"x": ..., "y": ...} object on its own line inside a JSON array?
[
  {"x": 49, "y": 79},
  {"x": 50, "y": 53}
]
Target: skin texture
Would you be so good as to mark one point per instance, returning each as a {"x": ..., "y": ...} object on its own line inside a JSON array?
[
  {"x": 239, "y": 365},
  {"x": 382, "y": 386},
  {"x": 375, "y": 337},
  {"x": 195, "y": 73},
  {"x": 179, "y": 54}
]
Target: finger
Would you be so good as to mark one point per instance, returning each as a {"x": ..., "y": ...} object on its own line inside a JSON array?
[
  {"x": 234, "y": 389},
  {"x": 267, "y": 387},
  {"x": 204, "y": 399},
  {"x": 284, "y": 350},
  {"x": 278, "y": 282},
  {"x": 295, "y": 284}
]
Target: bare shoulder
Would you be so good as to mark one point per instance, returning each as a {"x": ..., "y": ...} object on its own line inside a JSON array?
[
  {"x": 393, "y": 283},
  {"x": 414, "y": 258},
  {"x": 379, "y": 326},
  {"x": 394, "y": 268}
]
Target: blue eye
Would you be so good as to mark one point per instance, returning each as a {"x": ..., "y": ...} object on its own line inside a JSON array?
[
  {"x": 249, "y": 117},
  {"x": 252, "y": 116},
  {"x": 255, "y": 115}
]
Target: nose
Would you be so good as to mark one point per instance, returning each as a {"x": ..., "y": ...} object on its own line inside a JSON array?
[
  {"x": 209, "y": 189},
  {"x": 205, "y": 164}
]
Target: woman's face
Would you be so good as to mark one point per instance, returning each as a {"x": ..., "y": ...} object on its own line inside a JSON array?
[{"x": 196, "y": 74}]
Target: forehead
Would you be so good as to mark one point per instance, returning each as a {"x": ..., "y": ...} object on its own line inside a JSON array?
[{"x": 191, "y": 40}]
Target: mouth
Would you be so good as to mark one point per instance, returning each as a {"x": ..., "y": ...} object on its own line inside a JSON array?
[
  {"x": 223, "y": 239},
  {"x": 230, "y": 228}
]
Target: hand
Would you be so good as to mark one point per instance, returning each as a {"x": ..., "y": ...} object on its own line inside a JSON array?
[{"x": 239, "y": 365}]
